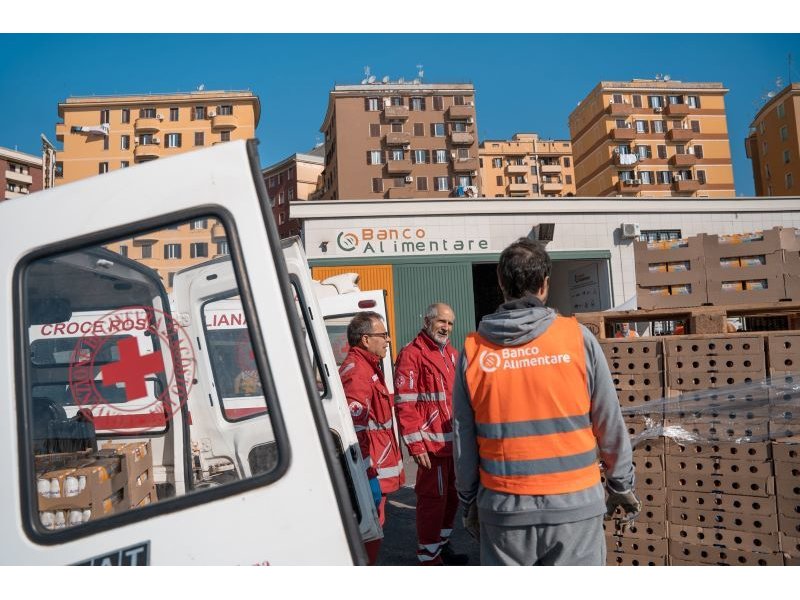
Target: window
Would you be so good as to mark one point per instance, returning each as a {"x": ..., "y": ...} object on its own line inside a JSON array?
[
  {"x": 397, "y": 154},
  {"x": 701, "y": 177},
  {"x": 662, "y": 152},
  {"x": 199, "y": 113},
  {"x": 377, "y": 185},
  {"x": 123, "y": 249},
  {"x": 761, "y": 128},
  {"x": 102, "y": 168},
  {"x": 225, "y": 109},
  {"x": 374, "y": 157},
  {"x": 655, "y": 101},
  {"x": 290, "y": 194},
  {"x": 534, "y": 170},
  {"x": 199, "y": 138},
  {"x": 620, "y": 123},
  {"x": 568, "y": 179},
  {"x": 441, "y": 156},
  {"x": 643, "y": 152},
  {"x": 124, "y": 164},
  {"x": 420, "y": 156},
  {"x": 646, "y": 177},
  {"x": 104, "y": 115},
  {"x": 464, "y": 153},
  {"x": 146, "y": 139},
  {"x": 658, "y": 126},
  {"x": 784, "y": 133},
  {"x": 172, "y": 251},
  {"x": 125, "y": 142},
  {"x": 789, "y": 181},
  {"x": 225, "y": 136},
  {"x": 680, "y": 149},
  {"x": 174, "y": 114},
  {"x": 399, "y": 182},
  {"x": 147, "y": 251},
  {"x": 767, "y": 171},
  {"x": 695, "y": 126},
  {"x": 459, "y": 100},
  {"x": 617, "y": 99},
  {"x": 499, "y": 180},
  {"x": 625, "y": 175},
  {"x": 641, "y": 126},
  {"x": 676, "y": 99},
  {"x": 199, "y": 224},
  {"x": 786, "y": 157},
  {"x": 567, "y": 162},
  {"x": 535, "y": 188},
  {"x": 459, "y": 127},
  {"x": 198, "y": 250},
  {"x": 664, "y": 177},
  {"x": 281, "y": 218},
  {"x": 693, "y": 101},
  {"x": 497, "y": 163},
  {"x": 147, "y": 113},
  {"x": 441, "y": 184},
  {"x": 698, "y": 150},
  {"x": 374, "y": 130},
  {"x": 419, "y": 129},
  {"x": 417, "y": 103},
  {"x": 126, "y": 115},
  {"x": 637, "y": 101},
  {"x": 422, "y": 184},
  {"x": 173, "y": 140},
  {"x": 438, "y": 103},
  {"x": 373, "y": 104},
  {"x": 222, "y": 248},
  {"x": 659, "y": 235},
  {"x": 105, "y": 142},
  {"x": 437, "y": 129},
  {"x": 466, "y": 181},
  {"x": 396, "y": 101},
  {"x": 397, "y": 127},
  {"x": 764, "y": 147},
  {"x": 781, "y": 111}
]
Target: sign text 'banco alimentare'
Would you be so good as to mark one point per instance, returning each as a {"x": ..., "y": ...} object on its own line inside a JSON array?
[{"x": 377, "y": 241}]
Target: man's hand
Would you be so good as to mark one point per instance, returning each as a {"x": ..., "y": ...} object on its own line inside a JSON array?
[
  {"x": 423, "y": 460},
  {"x": 470, "y": 521},
  {"x": 629, "y": 503}
]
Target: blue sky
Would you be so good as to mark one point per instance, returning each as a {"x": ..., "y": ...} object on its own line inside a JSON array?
[{"x": 524, "y": 82}]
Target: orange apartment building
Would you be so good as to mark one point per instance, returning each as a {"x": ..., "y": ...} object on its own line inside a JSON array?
[
  {"x": 20, "y": 174},
  {"x": 400, "y": 140},
  {"x": 292, "y": 179},
  {"x": 104, "y": 133},
  {"x": 526, "y": 166},
  {"x": 773, "y": 145},
  {"x": 652, "y": 138}
]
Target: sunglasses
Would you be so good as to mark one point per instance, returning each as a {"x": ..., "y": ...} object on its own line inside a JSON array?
[{"x": 384, "y": 335}]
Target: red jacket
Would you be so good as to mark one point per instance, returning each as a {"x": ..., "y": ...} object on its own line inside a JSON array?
[
  {"x": 371, "y": 410},
  {"x": 423, "y": 385}
]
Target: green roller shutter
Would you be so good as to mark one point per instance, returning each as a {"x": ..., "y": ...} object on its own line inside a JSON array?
[{"x": 418, "y": 285}]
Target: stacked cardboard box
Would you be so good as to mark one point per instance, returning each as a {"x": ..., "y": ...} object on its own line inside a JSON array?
[
  {"x": 787, "y": 484},
  {"x": 790, "y": 241},
  {"x": 670, "y": 274}
]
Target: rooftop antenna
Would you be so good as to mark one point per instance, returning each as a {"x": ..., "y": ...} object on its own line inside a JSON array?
[
  {"x": 385, "y": 79},
  {"x": 401, "y": 80},
  {"x": 420, "y": 73},
  {"x": 366, "y": 71}
]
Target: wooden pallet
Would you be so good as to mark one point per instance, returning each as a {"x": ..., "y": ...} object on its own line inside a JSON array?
[{"x": 696, "y": 319}]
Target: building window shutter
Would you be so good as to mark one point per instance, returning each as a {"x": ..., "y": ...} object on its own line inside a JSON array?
[
  {"x": 662, "y": 152},
  {"x": 698, "y": 151},
  {"x": 646, "y": 126},
  {"x": 696, "y": 126},
  {"x": 637, "y": 101}
]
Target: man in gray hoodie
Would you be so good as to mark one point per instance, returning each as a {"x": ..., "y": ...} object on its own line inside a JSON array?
[{"x": 534, "y": 404}]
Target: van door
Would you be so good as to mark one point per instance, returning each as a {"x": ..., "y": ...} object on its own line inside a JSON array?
[{"x": 75, "y": 492}]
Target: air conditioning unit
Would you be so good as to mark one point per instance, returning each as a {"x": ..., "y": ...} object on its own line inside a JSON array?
[
  {"x": 409, "y": 179},
  {"x": 657, "y": 109},
  {"x": 473, "y": 173},
  {"x": 160, "y": 117},
  {"x": 156, "y": 141},
  {"x": 212, "y": 114},
  {"x": 470, "y": 120},
  {"x": 630, "y": 230},
  {"x": 635, "y": 181}
]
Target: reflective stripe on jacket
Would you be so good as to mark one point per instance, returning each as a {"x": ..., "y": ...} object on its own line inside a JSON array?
[
  {"x": 371, "y": 410},
  {"x": 532, "y": 412}
]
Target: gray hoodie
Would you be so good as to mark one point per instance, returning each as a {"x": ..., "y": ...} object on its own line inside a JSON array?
[{"x": 516, "y": 323}]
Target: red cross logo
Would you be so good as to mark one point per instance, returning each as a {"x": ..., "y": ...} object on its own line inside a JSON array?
[{"x": 132, "y": 368}]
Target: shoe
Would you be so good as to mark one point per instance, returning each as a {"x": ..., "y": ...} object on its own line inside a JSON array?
[{"x": 453, "y": 559}]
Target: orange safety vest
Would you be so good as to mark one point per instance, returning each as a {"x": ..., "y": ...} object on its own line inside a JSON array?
[{"x": 532, "y": 412}]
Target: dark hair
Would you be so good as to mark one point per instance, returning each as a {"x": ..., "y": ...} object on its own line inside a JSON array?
[
  {"x": 523, "y": 267},
  {"x": 360, "y": 324}
]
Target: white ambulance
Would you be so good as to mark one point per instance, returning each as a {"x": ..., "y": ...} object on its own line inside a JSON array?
[{"x": 93, "y": 352}]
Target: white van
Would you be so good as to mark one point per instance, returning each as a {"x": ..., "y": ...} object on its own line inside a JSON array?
[{"x": 260, "y": 464}]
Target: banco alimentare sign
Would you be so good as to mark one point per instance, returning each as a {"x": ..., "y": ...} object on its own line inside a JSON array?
[{"x": 404, "y": 241}]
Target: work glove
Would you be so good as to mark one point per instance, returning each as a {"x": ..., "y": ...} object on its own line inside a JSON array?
[
  {"x": 629, "y": 503},
  {"x": 375, "y": 486},
  {"x": 470, "y": 521}
]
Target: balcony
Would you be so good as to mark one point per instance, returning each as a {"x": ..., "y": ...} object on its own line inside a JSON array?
[
  {"x": 677, "y": 110},
  {"x": 517, "y": 169},
  {"x": 398, "y": 167},
  {"x": 395, "y": 112},
  {"x": 625, "y": 160},
  {"x": 465, "y": 164},
  {"x": 518, "y": 188},
  {"x": 461, "y": 137},
  {"x": 460, "y": 112},
  {"x": 683, "y": 160},
  {"x": 623, "y": 133},
  {"x": 686, "y": 185},
  {"x": 628, "y": 186},
  {"x": 620, "y": 109},
  {"x": 224, "y": 122},
  {"x": 682, "y": 134},
  {"x": 146, "y": 151},
  {"x": 552, "y": 187},
  {"x": 61, "y": 129},
  {"x": 147, "y": 124},
  {"x": 396, "y": 193},
  {"x": 398, "y": 138},
  {"x": 19, "y": 177},
  {"x": 550, "y": 169}
]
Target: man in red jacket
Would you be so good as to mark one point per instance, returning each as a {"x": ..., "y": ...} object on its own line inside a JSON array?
[
  {"x": 371, "y": 410},
  {"x": 424, "y": 375}
]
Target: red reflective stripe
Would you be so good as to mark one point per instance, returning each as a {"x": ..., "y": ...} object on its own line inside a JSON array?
[
  {"x": 239, "y": 413},
  {"x": 133, "y": 421}
]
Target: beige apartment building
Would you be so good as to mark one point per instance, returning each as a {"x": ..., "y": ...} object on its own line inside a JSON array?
[
  {"x": 104, "y": 133},
  {"x": 652, "y": 138},
  {"x": 774, "y": 144},
  {"x": 20, "y": 173},
  {"x": 527, "y": 167},
  {"x": 292, "y": 179},
  {"x": 400, "y": 140}
]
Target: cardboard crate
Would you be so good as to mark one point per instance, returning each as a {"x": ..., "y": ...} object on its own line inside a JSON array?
[
  {"x": 656, "y": 265},
  {"x": 786, "y": 452},
  {"x": 725, "y": 520},
  {"x": 692, "y": 381},
  {"x": 635, "y": 364},
  {"x": 138, "y": 465},
  {"x": 733, "y": 503},
  {"x": 708, "y": 428},
  {"x": 654, "y": 505},
  {"x": 682, "y": 553},
  {"x": 743, "y": 363},
  {"x": 639, "y": 398},
  {"x": 783, "y": 350},
  {"x": 740, "y": 540},
  {"x": 639, "y": 547},
  {"x": 631, "y": 347},
  {"x": 636, "y": 530},
  {"x": 639, "y": 423},
  {"x": 650, "y": 448},
  {"x": 619, "y": 559},
  {"x": 765, "y": 242},
  {"x": 790, "y": 546},
  {"x": 638, "y": 381},
  {"x": 788, "y": 525},
  {"x": 713, "y": 345},
  {"x": 787, "y": 480},
  {"x": 761, "y": 487},
  {"x": 698, "y": 466},
  {"x": 756, "y": 451}
]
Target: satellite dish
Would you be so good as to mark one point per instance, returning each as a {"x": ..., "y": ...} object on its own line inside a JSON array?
[
  {"x": 201, "y": 87},
  {"x": 363, "y": 81},
  {"x": 371, "y": 79},
  {"x": 385, "y": 79},
  {"x": 416, "y": 81},
  {"x": 770, "y": 94},
  {"x": 667, "y": 77}
]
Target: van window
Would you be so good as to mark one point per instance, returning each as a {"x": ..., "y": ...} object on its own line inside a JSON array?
[
  {"x": 311, "y": 341},
  {"x": 131, "y": 401}
]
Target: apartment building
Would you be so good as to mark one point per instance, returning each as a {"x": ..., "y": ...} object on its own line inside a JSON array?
[
  {"x": 773, "y": 145},
  {"x": 20, "y": 173},
  {"x": 400, "y": 140},
  {"x": 527, "y": 167},
  {"x": 652, "y": 138},
  {"x": 105, "y": 133},
  {"x": 290, "y": 180}
]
